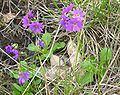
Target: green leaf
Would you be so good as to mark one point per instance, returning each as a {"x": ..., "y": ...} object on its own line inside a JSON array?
[
  {"x": 105, "y": 55},
  {"x": 58, "y": 45},
  {"x": 44, "y": 55},
  {"x": 23, "y": 66},
  {"x": 16, "y": 92},
  {"x": 88, "y": 65},
  {"x": 101, "y": 71},
  {"x": 23, "y": 62},
  {"x": 28, "y": 93},
  {"x": 87, "y": 78},
  {"x": 19, "y": 88},
  {"x": 44, "y": 51},
  {"x": 32, "y": 47},
  {"x": 14, "y": 74},
  {"x": 38, "y": 81},
  {"x": 46, "y": 38}
]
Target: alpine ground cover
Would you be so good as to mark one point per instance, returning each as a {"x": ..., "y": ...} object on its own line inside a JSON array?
[{"x": 59, "y": 47}]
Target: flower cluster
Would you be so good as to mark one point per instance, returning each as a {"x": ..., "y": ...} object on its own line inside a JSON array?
[
  {"x": 34, "y": 26},
  {"x": 72, "y": 19},
  {"x": 23, "y": 76},
  {"x": 10, "y": 50}
]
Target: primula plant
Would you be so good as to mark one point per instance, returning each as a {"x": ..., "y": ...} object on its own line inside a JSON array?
[{"x": 59, "y": 47}]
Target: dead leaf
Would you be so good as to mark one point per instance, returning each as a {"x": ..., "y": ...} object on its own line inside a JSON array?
[
  {"x": 7, "y": 17},
  {"x": 57, "y": 72},
  {"x": 56, "y": 61},
  {"x": 72, "y": 52},
  {"x": 57, "y": 68},
  {"x": 51, "y": 73},
  {"x": 71, "y": 47}
]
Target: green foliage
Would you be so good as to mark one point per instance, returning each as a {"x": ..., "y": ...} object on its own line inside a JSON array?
[
  {"x": 14, "y": 74},
  {"x": 58, "y": 45},
  {"x": 105, "y": 55},
  {"x": 87, "y": 78},
  {"x": 89, "y": 65},
  {"x": 23, "y": 62},
  {"x": 24, "y": 66},
  {"x": 32, "y": 47},
  {"x": 17, "y": 87},
  {"x": 46, "y": 38},
  {"x": 89, "y": 68}
]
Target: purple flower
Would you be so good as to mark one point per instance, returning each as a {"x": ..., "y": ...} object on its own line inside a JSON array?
[
  {"x": 30, "y": 14},
  {"x": 36, "y": 27},
  {"x": 8, "y": 48},
  {"x": 64, "y": 20},
  {"x": 74, "y": 25},
  {"x": 41, "y": 43},
  {"x": 73, "y": 21},
  {"x": 25, "y": 21},
  {"x": 78, "y": 13},
  {"x": 16, "y": 54},
  {"x": 67, "y": 9},
  {"x": 23, "y": 76}
]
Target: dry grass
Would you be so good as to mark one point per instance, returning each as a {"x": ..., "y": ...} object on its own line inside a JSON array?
[{"x": 94, "y": 37}]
